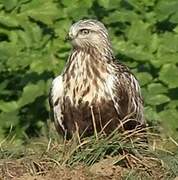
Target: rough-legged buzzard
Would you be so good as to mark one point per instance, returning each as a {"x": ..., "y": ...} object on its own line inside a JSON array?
[{"x": 95, "y": 91}]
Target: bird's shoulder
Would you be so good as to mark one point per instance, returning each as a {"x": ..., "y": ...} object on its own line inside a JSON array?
[
  {"x": 121, "y": 67},
  {"x": 123, "y": 71},
  {"x": 127, "y": 80}
]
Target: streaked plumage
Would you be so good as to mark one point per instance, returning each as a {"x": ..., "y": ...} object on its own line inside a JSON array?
[{"x": 94, "y": 86}]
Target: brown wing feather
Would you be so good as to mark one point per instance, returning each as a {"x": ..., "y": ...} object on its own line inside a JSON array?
[{"x": 127, "y": 97}]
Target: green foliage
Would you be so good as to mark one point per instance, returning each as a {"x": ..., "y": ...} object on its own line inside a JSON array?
[{"x": 32, "y": 51}]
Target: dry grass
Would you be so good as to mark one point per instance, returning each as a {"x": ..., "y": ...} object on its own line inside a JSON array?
[{"x": 123, "y": 155}]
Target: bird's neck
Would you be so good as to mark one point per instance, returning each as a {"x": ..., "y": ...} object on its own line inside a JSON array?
[
  {"x": 89, "y": 57},
  {"x": 96, "y": 53},
  {"x": 89, "y": 63}
]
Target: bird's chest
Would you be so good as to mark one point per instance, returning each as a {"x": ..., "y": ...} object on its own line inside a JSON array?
[{"x": 87, "y": 83}]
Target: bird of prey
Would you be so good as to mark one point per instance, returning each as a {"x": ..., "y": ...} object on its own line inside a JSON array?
[{"x": 95, "y": 92}]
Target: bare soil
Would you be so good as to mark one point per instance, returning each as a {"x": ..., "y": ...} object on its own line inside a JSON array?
[
  {"x": 28, "y": 169},
  {"x": 19, "y": 171}
]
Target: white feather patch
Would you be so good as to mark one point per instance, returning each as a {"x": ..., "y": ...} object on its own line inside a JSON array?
[
  {"x": 57, "y": 94},
  {"x": 57, "y": 88},
  {"x": 110, "y": 83}
]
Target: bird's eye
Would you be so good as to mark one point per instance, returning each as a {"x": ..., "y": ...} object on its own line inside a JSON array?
[{"x": 84, "y": 31}]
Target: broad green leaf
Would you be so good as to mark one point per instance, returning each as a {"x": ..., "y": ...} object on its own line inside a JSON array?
[
  {"x": 104, "y": 3},
  {"x": 3, "y": 85},
  {"x": 44, "y": 11},
  {"x": 150, "y": 114},
  {"x": 169, "y": 42},
  {"x": 7, "y": 50},
  {"x": 174, "y": 18},
  {"x": 21, "y": 61},
  {"x": 42, "y": 64},
  {"x": 67, "y": 2},
  {"x": 121, "y": 16},
  {"x": 113, "y": 4},
  {"x": 176, "y": 29},
  {"x": 144, "y": 92},
  {"x": 86, "y": 4},
  {"x": 35, "y": 32},
  {"x": 144, "y": 78},
  {"x": 75, "y": 3},
  {"x": 8, "y": 20},
  {"x": 164, "y": 58},
  {"x": 157, "y": 99},
  {"x": 25, "y": 38},
  {"x": 9, "y": 4},
  {"x": 77, "y": 9},
  {"x": 138, "y": 55},
  {"x": 77, "y": 13},
  {"x": 169, "y": 121},
  {"x": 172, "y": 104},
  {"x": 156, "y": 88},
  {"x": 169, "y": 75},
  {"x": 139, "y": 33},
  {"x": 155, "y": 41},
  {"x": 8, "y": 106},
  {"x": 31, "y": 92},
  {"x": 135, "y": 52},
  {"x": 165, "y": 8},
  {"x": 13, "y": 37},
  {"x": 9, "y": 119},
  {"x": 131, "y": 64}
]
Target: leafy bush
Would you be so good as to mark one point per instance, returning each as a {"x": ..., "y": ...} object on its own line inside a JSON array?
[{"x": 144, "y": 34}]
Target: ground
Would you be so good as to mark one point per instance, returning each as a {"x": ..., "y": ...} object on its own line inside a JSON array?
[
  {"x": 103, "y": 170},
  {"x": 103, "y": 158}
]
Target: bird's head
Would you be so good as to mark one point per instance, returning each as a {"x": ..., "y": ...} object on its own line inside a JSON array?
[{"x": 88, "y": 33}]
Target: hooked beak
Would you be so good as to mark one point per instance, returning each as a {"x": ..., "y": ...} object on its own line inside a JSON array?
[{"x": 69, "y": 37}]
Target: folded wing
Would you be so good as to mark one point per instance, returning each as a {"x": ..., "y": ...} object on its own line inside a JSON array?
[{"x": 56, "y": 103}]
